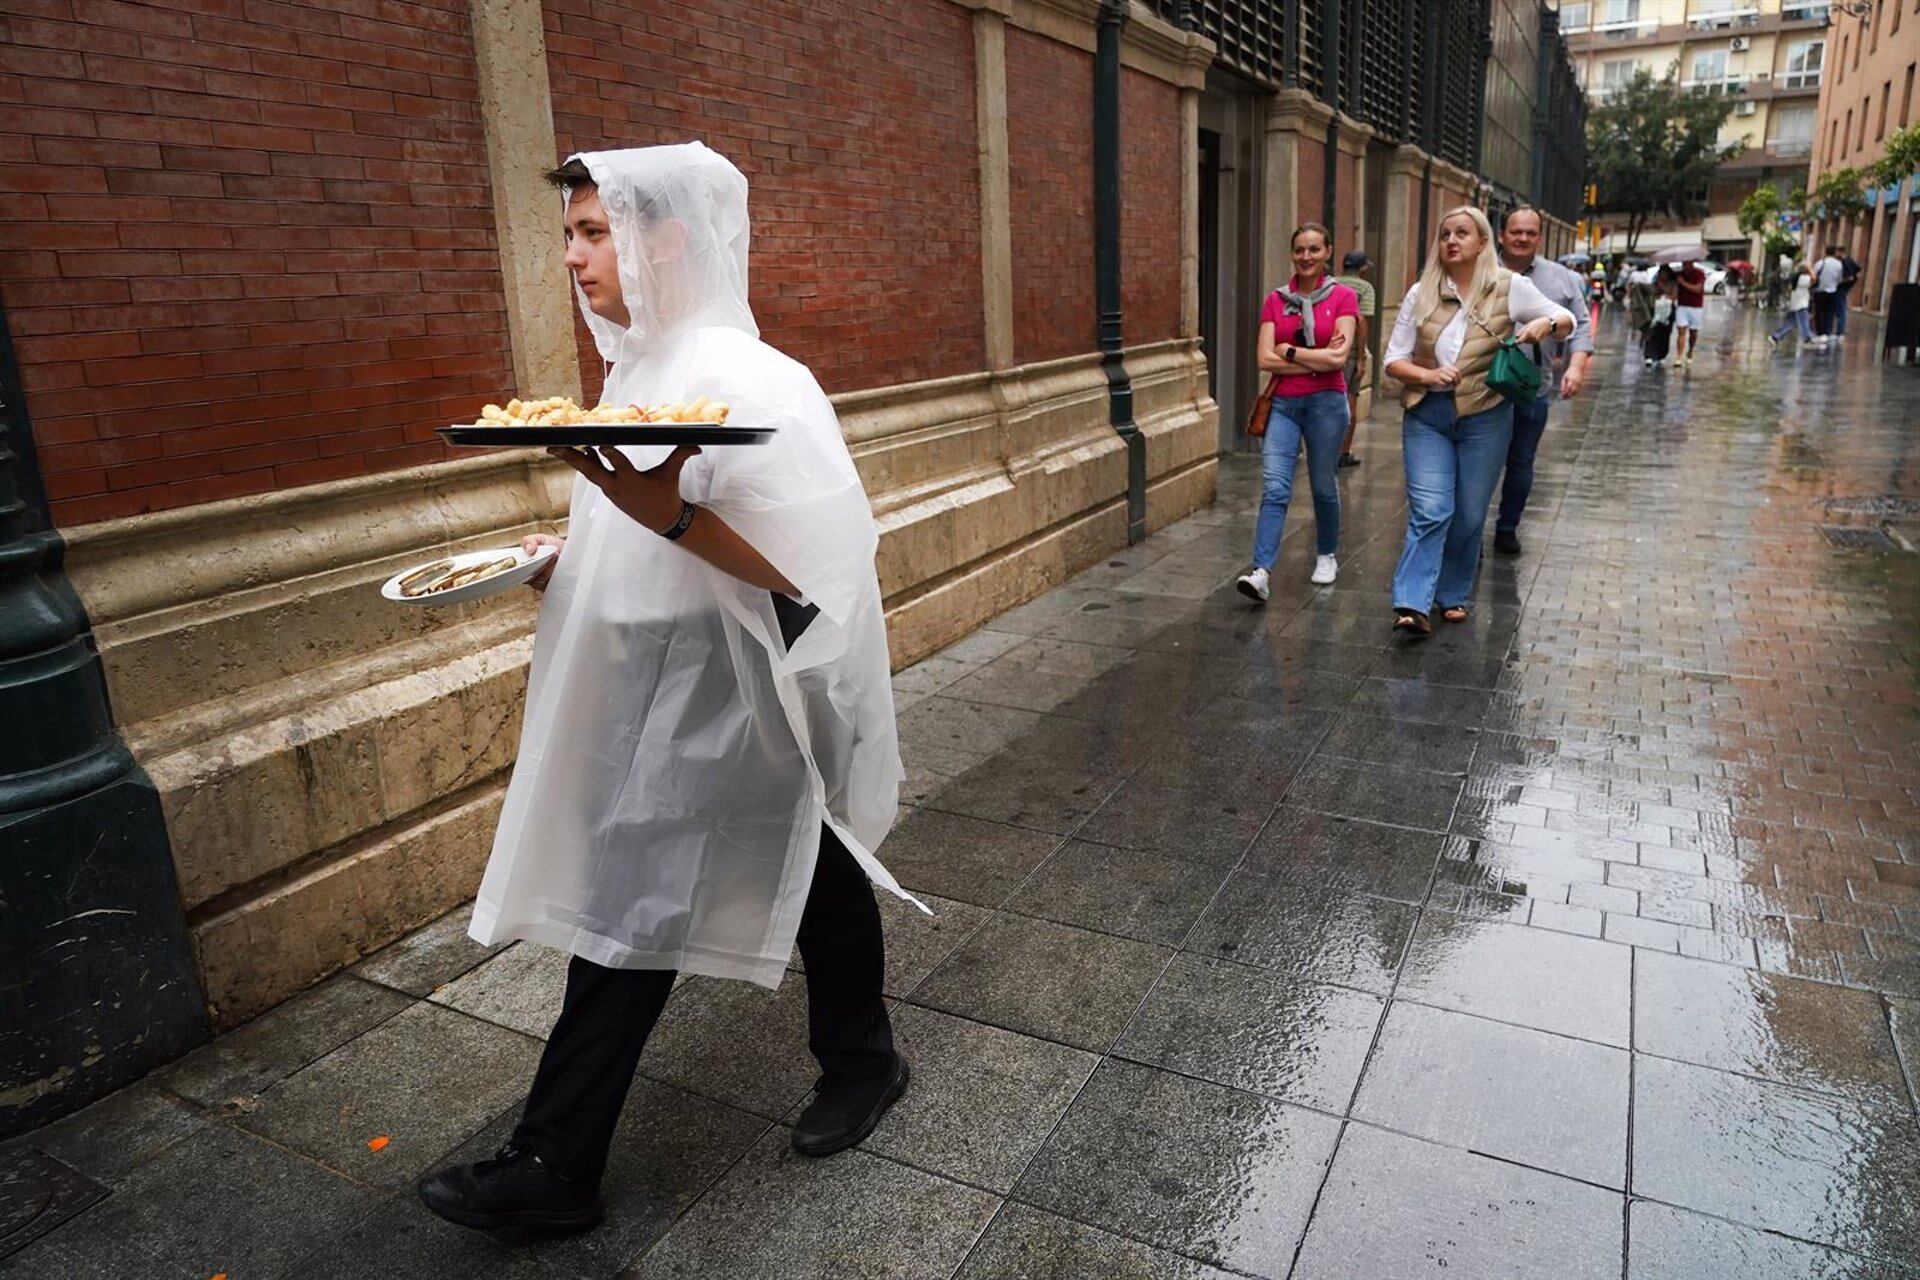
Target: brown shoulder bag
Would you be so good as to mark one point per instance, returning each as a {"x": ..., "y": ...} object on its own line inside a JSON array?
[{"x": 1262, "y": 409}]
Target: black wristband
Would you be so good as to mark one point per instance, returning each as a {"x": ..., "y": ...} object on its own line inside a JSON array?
[{"x": 673, "y": 531}]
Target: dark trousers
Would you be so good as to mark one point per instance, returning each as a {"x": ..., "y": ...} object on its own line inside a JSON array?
[
  {"x": 607, "y": 1014},
  {"x": 1529, "y": 423},
  {"x": 1823, "y": 313}
]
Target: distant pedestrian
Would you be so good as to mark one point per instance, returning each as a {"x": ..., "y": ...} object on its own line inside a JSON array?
[
  {"x": 1850, "y": 270},
  {"x": 1456, "y": 430},
  {"x": 1354, "y": 269},
  {"x": 1666, "y": 293},
  {"x": 1639, "y": 306},
  {"x": 1563, "y": 365},
  {"x": 1799, "y": 298},
  {"x": 1826, "y": 293},
  {"x": 1306, "y": 332},
  {"x": 1689, "y": 311}
]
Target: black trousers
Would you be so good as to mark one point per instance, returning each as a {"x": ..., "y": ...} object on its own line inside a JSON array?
[{"x": 607, "y": 1014}]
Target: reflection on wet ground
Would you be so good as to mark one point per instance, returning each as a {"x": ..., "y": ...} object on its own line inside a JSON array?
[{"x": 1582, "y": 940}]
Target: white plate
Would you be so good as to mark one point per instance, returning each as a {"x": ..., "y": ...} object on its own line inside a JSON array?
[{"x": 528, "y": 567}]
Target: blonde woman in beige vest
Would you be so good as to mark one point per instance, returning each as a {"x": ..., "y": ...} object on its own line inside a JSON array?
[{"x": 1455, "y": 431}]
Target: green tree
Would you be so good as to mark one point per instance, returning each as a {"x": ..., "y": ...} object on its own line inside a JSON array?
[
  {"x": 1764, "y": 213},
  {"x": 1902, "y": 157},
  {"x": 1840, "y": 193},
  {"x": 1652, "y": 147}
]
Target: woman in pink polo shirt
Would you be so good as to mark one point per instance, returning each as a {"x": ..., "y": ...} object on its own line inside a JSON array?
[{"x": 1306, "y": 329}]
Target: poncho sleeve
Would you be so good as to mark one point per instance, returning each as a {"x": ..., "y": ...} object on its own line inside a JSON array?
[{"x": 797, "y": 500}]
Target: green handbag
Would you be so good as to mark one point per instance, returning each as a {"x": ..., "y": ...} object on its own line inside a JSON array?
[{"x": 1512, "y": 374}]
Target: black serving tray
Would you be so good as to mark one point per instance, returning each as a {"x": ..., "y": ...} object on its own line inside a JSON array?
[{"x": 587, "y": 435}]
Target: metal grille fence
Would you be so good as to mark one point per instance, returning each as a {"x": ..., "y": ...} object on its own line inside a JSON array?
[{"x": 1416, "y": 70}]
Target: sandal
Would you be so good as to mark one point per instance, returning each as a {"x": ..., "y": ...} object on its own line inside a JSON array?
[
  {"x": 1413, "y": 622},
  {"x": 1456, "y": 613}
]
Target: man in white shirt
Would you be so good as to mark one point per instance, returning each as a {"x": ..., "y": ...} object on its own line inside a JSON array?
[
  {"x": 1826, "y": 290},
  {"x": 1520, "y": 254}
]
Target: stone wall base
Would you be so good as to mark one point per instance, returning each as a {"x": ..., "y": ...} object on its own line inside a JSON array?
[{"x": 331, "y": 764}]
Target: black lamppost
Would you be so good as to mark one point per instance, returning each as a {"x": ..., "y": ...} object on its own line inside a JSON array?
[
  {"x": 97, "y": 981},
  {"x": 1106, "y": 258}
]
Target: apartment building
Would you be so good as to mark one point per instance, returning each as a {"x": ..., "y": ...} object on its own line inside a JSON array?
[
  {"x": 1769, "y": 55},
  {"x": 1867, "y": 96}
]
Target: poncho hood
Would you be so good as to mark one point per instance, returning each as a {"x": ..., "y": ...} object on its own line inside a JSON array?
[{"x": 705, "y": 283}]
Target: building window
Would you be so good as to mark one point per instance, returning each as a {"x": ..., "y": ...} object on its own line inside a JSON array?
[
  {"x": 1614, "y": 75},
  {"x": 1805, "y": 12},
  {"x": 1575, "y": 17},
  {"x": 1618, "y": 19},
  {"x": 1861, "y": 141},
  {"x": 1803, "y": 63},
  {"x": 1710, "y": 68},
  {"x": 1906, "y": 99},
  {"x": 1886, "y": 94},
  {"x": 1792, "y": 131}
]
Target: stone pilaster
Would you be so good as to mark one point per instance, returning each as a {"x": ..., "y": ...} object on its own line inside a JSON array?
[
  {"x": 510, "y": 51},
  {"x": 1294, "y": 116},
  {"x": 1404, "y": 244},
  {"x": 996, "y": 200}
]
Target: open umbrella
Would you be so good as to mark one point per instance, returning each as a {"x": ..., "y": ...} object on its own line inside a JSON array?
[
  {"x": 1575, "y": 259},
  {"x": 1739, "y": 264},
  {"x": 1682, "y": 253}
]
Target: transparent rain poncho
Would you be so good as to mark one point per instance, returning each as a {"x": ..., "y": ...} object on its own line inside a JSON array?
[{"x": 678, "y": 761}]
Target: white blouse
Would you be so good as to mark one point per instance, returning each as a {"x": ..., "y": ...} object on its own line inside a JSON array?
[{"x": 1525, "y": 304}]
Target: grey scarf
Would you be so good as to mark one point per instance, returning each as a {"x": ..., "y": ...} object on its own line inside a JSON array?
[{"x": 1302, "y": 305}]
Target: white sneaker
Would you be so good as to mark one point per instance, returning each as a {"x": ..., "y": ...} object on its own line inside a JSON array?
[
  {"x": 1253, "y": 584},
  {"x": 1325, "y": 570}
]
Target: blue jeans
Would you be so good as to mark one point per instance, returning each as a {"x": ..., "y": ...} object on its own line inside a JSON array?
[
  {"x": 1529, "y": 421},
  {"x": 1321, "y": 420},
  {"x": 1840, "y": 314},
  {"x": 1795, "y": 318},
  {"x": 1452, "y": 465}
]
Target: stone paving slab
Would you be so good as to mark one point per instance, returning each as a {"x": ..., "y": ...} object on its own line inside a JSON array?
[{"x": 1581, "y": 939}]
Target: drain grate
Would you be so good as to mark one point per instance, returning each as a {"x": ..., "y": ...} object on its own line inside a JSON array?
[
  {"x": 1881, "y": 504},
  {"x": 1857, "y": 538},
  {"x": 37, "y": 1194}
]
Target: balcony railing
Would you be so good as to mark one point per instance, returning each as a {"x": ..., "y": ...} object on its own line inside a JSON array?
[
  {"x": 1625, "y": 28},
  {"x": 1804, "y": 12},
  {"x": 1790, "y": 148},
  {"x": 1731, "y": 16},
  {"x": 1723, "y": 84},
  {"x": 1801, "y": 79}
]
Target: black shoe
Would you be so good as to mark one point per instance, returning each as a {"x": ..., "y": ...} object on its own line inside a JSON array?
[
  {"x": 514, "y": 1189},
  {"x": 1506, "y": 540},
  {"x": 1348, "y": 460},
  {"x": 844, "y": 1112}
]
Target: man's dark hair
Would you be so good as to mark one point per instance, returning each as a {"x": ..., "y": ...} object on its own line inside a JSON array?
[
  {"x": 573, "y": 173},
  {"x": 1356, "y": 260},
  {"x": 1507, "y": 217}
]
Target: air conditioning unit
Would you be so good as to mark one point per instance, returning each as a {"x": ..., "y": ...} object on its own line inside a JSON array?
[
  {"x": 1745, "y": 108},
  {"x": 1740, "y": 44}
]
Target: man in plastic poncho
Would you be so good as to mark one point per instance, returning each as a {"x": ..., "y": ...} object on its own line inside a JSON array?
[{"x": 709, "y": 756}]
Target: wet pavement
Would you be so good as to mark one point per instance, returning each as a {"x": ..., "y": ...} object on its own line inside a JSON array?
[{"x": 1581, "y": 940}]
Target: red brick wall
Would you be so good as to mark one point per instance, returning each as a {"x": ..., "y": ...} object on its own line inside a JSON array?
[
  {"x": 244, "y": 245},
  {"x": 1150, "y": 181},
  {"x": 854, "y": 123},
  {"x": 1050, "y": 153},
  {"x": 1312, "y": 181}
]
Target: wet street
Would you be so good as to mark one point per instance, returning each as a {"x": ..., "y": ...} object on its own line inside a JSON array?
[{"x": 1582, "y": 940}]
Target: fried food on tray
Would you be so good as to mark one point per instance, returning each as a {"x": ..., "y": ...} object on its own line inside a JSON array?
[{"x": 559, "y": 411}]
